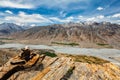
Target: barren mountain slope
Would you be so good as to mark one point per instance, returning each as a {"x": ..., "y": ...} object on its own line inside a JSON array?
[
  {"x": 105, "y": 33},
  {"x": 8, "y": 28}
]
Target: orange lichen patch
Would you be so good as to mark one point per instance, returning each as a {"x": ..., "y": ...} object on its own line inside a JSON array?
[
  {"x": 32, "y": 61},
  {"x": 41, "y": 74},
  {"x": 112, "y": 71}
]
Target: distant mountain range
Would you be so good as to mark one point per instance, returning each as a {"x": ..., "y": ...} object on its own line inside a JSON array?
[
  {"x": 104, "y": 32},
  {"x": 8, "y": 28},
  {"x": 92, "y": 32}
]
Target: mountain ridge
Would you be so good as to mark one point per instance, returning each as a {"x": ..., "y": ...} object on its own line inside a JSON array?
[
  {"x": 9, "y": 28},
  {"x": 103, "y": 33}
]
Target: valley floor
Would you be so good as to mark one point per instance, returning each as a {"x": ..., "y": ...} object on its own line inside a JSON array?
[
  {"x": 111, "y": 55},
  {"x": 81, "y": 44}
]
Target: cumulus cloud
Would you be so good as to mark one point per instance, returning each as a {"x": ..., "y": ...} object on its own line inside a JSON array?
[
  {"x": 23, "y": 18},
  {"x": 9, "y": 12},
  {"x": 68, "y": 19},
  {"x": 100, "y": 16},
  {"x": 100, "y": 8},
  {"x": 116, "y": 15},
  {"x": 29, "y": 4},
  {"x": 96, "y": 18},
  {"x": 15, "y": 4}
]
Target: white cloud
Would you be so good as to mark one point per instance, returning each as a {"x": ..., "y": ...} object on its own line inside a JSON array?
[
  {"x": 20, "y": 24},
  {"x": 15, "y": 4},
  {"x": 80, "y": 16},
  {"x": 68, "y": 19},
  {"x": 66, "y": 4},
  {"x": 32, "y": 25},
  {"x": 100, "y": 8},
  {"x": 116, "y": 15},
  {"x": 9, "y": 12},
  {"x": 55, "y": 19},
  {"x": 91, "y": 19},
  {"x": 30, "y": 4},
  {"x": 100, "y": 17},
  {"x": 48, "y": 3},
  {"x": 96, "y": 18},
  {"x": 23, "y": 18},
  {"x": 5, "y": 13},
  {"x": 63, "y": 14}
]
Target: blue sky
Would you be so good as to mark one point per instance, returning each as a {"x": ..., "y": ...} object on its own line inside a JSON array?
[{"x": 44, "y": 12}]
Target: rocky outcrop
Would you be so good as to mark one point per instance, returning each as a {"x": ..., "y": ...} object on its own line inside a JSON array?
[
  {"x": 65, "y": 68},
  {"x": 9, "y": 68}
]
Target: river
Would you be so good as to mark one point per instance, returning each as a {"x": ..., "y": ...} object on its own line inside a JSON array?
[{"x": 104, "y": 53}]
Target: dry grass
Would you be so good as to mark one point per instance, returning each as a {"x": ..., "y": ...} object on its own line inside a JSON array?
[
  {"x": 87, "y": 59},
  {"x": 5, "y": 54}
]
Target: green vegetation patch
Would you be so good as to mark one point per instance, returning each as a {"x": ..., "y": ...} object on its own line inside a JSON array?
[
  {"x": 1, "y": 42},
  {"x": 105, "y": 45},
  {"x": 71, "y": 44},
  {"x": 87, "y": 59},
  {"x": 102, "y": 44},
  {"x": 50, "y": 54},
  {"x": 6, "y": 39},
  {"x": 46, "y": 52}
]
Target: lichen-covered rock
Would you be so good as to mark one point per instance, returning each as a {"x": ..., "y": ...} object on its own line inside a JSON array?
[{"x": 65, "y": 68}]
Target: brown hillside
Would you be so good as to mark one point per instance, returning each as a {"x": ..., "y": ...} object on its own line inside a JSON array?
[{"x": 99, "y": 33}]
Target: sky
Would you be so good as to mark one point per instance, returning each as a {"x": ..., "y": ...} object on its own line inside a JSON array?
[{"x": 45, "y": 12}]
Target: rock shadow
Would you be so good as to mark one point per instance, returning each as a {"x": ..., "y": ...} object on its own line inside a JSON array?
[
  {"x": 68, "y": 74},
  {"x": 11, "y": 72}
]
